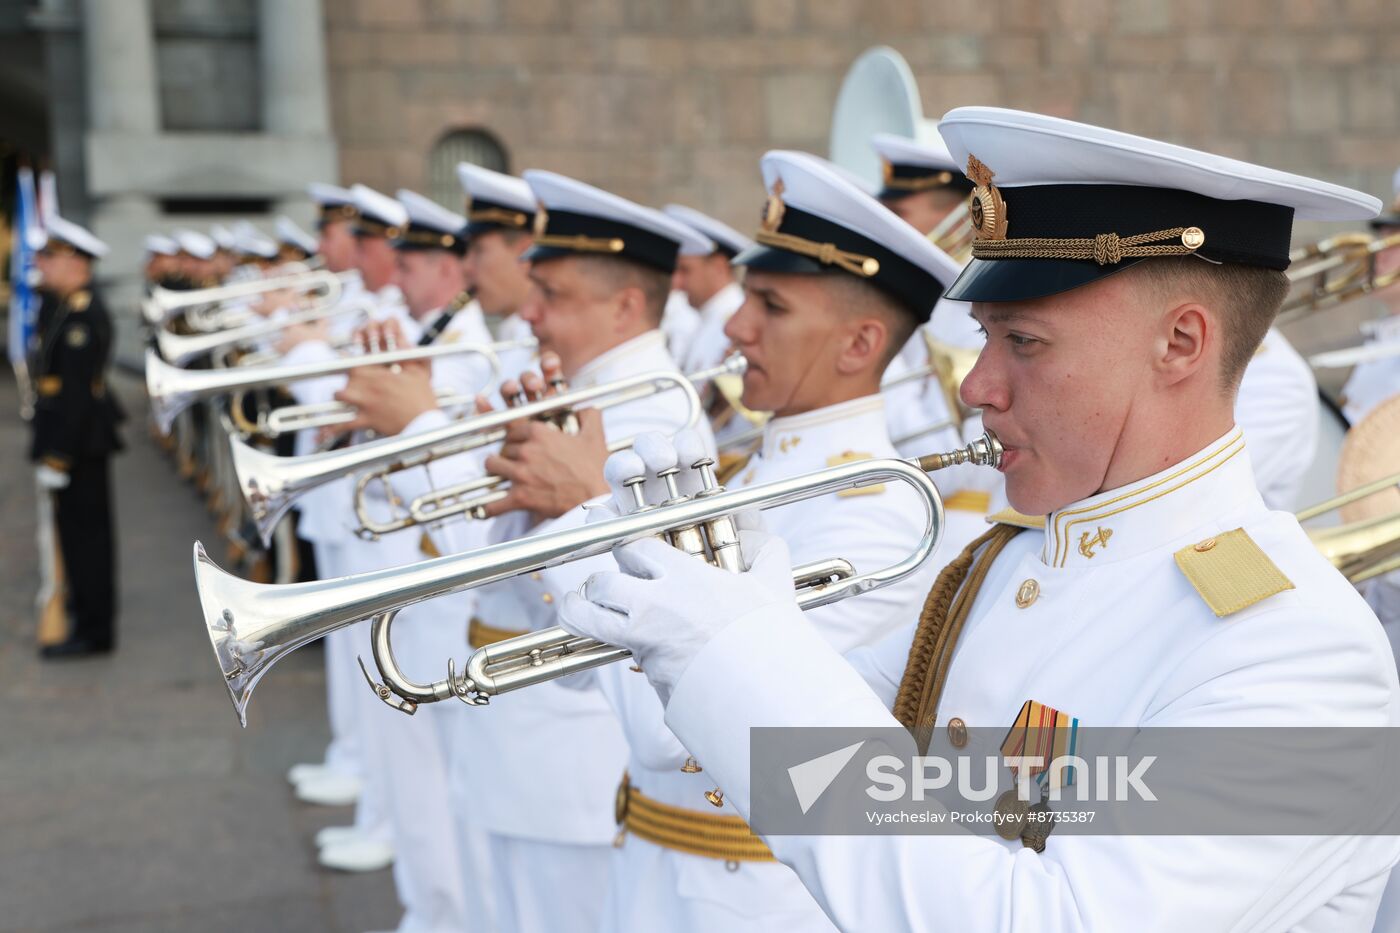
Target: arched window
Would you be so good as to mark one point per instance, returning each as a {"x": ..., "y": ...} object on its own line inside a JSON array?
[{"x": 475, "y": 146}]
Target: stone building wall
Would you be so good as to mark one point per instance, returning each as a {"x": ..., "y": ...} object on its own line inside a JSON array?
[{"x": 675, "y": 99}]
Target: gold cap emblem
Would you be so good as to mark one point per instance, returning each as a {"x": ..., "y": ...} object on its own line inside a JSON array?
[
  {"x": 541, "y": 220},
  {"x": 773, "y": 208},
  {"x": 986, "y": 210}
]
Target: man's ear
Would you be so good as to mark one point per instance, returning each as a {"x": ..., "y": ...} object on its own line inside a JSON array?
[
  {"x": 1188, "y": 332},
  {"x": 631, "y": 304},
  {"x": 863, "y": 346}
]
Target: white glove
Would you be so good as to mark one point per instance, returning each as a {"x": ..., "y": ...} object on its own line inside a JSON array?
[
  {"x": 50, "y": 479},
  {"x": 666, "y": 605}
]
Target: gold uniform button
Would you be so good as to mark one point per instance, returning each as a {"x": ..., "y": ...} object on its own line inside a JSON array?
[
  {"x": 1205, "y": 545},
  {"x": 536, "y": 575},
  {"x": 1027, "y": 594},
  {"x": 548, "y": 597},
  {"x": 957, "y": 732}
]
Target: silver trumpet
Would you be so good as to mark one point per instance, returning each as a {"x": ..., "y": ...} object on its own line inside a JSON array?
[
  {"x": 252, "y": 625},
  {"x": 173, "y": 389},
  {"x": 288, "y": 419},
  {"x": 320, "y": 285},
  {"x": 271, "y": 484},
  {"x": 181, "y": 349}
]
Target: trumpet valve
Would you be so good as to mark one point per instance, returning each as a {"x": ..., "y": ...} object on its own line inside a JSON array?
[{"x": 721, "y": 533}]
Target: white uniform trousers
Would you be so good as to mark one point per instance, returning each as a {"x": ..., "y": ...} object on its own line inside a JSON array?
[
  {"x": 548, "y": 886},
  {"x": 408, "y": 759},
  {"x": 473, "y": 841},
  {"x": 345, "y": 752}
]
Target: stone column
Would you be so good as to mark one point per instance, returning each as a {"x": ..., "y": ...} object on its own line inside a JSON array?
[
  {"x": 120, "y": 64},
  {"x": 291, "y": 46},
  {"x": 119, "y": 45}
]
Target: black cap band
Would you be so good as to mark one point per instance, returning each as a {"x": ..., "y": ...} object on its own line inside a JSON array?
[
  {"x": 421, "y": 237},
  {"x": 824, "y": 245},
  {"x": 373, "y": 226},
  {"x": 484, "y": 216},
  {"x": 1247, "y": 232},
  {"x": 904, "y": 180},
  {"x": 558, "y": 233}
]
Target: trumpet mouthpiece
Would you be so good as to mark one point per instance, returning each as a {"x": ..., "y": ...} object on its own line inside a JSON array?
[{"x": 985, "y": 451}]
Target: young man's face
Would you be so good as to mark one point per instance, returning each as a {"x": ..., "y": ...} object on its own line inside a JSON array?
[
  {"x": 1056, "y": 382},
  {"x": 784, "y": 329},
  {"x": 924, "y": 210},
  {"x": 426, "y": 279},
  {"x": 375, "y": 259},
  {"x": 570, "y": 312},
  {"x": 337, "y": 246},
  {"x": 62, "y": 272},
  {"x": 499, "y": 279},
  {"x": 701, "y": 277}
]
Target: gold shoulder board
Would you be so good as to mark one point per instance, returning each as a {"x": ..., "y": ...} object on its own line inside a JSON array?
[
  {"x": 851, "y": 456},
  {"x": 80, "y": 300},
  {"x": 1013, "y": 517},
  {"x": 1231, "y": 572}
]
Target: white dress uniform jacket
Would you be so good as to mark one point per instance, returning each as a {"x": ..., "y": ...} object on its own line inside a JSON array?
[
  {"x": 323, "y": 513},
  {"x": 655, "y": 888},
  {"x": 1119, "y": 638},
  {"x": 678, "y": 323},
  {"x": 410, "y": 754},
  {"x": 708, "y": 345},
  {"x": 969, "y": 492},
  {"x": 1277, "y": 408},
  {"x": 1373, "y": 382},
  {"x": 548, "y": 757}
]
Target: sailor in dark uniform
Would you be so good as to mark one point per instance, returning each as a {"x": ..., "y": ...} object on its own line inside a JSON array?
[{"x": 75, "y": 433}]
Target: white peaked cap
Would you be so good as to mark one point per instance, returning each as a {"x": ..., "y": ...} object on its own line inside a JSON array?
[
  {"x": 162, "y": 245},
  {"x": 199, "y": 245},
  {"x": 901, "y": 150},
  {"x": 497, "y": 188},
  {"x": 379, "y": 207},
  {"x": 328, "y": 195},
  {"x": 1033, "y": 149},
  {"x": 253, "y": 242},
  {"x": 607, "y": 217},
  {"x": 717, "y": 231},
  {"x": 65, "y": 231},
  {"x": 425, "y": 212},
  {"x": 288, "y": 232},
  {"x": 810, "y": 184},
  {"x": 223, "y": 237}
]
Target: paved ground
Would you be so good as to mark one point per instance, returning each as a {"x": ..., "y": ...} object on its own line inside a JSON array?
[{"x": 130, "y": 800}]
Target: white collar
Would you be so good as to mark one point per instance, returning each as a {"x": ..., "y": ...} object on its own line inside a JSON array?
[
  {"x": 596, "y": 369},
  {"x": 784, "y": 435},
  {"x": 724, "y": 302},
  {"x": 1155, "y": 511}
]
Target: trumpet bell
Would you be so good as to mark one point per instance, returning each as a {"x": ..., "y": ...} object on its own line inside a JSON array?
[
  {"x": 167, "y": 398},
  {"x": 242, "y": 662},
  {"x": 265, "y": 484}
]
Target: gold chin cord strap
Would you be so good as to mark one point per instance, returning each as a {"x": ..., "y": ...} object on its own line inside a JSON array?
[
  {"x": 940, "y": 623},
  {"x": 1106, "y": 249},
  {"x": 828, "y": 254}
]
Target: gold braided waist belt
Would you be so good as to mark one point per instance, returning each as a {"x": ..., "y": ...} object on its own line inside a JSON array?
[
  {"x": 479, "y": 634},
  {"x": 710, "y": 835}
]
